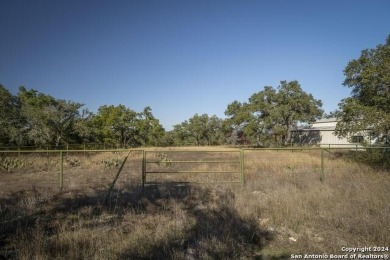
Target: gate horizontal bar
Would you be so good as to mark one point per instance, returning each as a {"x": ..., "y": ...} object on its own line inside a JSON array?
[
  {"x": 185, "y": 183},
  {"x": 166, "y": 162},
  {"x": 192, "y": 151},
  {"x": 192, "y": 172}
]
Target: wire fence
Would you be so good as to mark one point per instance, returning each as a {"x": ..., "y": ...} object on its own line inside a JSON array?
[
  {"x": 83, "y": 146},
  {"x": 66, "y": 170},
  {"x": 84, "y": 170}
]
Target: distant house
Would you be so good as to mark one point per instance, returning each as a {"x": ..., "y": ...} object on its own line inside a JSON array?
[{"x": 322, "y": 133}]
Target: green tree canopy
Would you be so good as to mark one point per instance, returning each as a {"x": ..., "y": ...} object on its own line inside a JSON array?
[
  {"x": 47, "y": 120},
  {"x": 34, "y": 118},
  {"x": 272, "y": 113},
  {"x": 85, "y": 128},
  {"x": 116, "y": 124},
  {"x": 368, "y": 107},
  {"x": 10, "y": 118},
  {"x": 125, "y": 127},
  {"x": 199, "y": 129},
  {"x": 149, "y": 131}
]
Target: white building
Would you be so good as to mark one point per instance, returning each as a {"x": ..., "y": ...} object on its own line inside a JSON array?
[{"x": 322, "y": 133}]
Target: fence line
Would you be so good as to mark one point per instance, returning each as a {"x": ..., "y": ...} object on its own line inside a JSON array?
[
  {"x": 239, "y": 160},
  {"x": 82, "y": 146},
  {"x": 110, "y": 146}
]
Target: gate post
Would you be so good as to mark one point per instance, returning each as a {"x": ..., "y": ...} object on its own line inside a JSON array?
[
  {"x": 242, "y": 166},
  {"x": 143, "y": 168},
  {"x": 61, "y": 170},
  {"x": 322, "y": 165}
]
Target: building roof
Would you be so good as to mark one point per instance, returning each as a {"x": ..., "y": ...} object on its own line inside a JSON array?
[
  {"x": 326, "y": 120},
  {"x": 324, "y": 124}
]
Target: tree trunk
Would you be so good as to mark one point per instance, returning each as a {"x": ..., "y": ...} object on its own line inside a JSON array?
[
  {"x": 288, "y": 137},
  {"x": 58, "y": 138}
]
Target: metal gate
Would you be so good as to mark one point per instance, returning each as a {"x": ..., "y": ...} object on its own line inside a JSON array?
[{"x": 195, "y": 166}]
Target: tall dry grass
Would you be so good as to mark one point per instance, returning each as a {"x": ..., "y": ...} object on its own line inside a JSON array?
[
  {"x": 350, "y": 208},
  {"x": 282, "y": 209}
]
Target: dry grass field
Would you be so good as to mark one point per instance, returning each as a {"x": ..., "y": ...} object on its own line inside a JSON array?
[{"x": 282, "y": 209}]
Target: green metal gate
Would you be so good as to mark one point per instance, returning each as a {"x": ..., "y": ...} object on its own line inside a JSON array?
[{"x": 217, "y": 165}]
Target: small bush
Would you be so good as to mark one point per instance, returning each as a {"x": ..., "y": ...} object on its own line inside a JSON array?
[
  {"x": 73, "y": 162},
  {"x": 376, "y": 158},
  {"x": 111, "y": 163}
]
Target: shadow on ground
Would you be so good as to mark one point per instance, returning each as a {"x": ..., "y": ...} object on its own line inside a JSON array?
[{"x": 210, "y": 225}]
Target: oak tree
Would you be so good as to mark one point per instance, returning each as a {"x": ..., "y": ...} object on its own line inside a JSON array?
[
  {"x": 368, "y": 107},
  {"x": 272, "y": 113}
]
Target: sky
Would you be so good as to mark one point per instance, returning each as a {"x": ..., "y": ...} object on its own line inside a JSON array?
[{"x": 183, "y": 57}]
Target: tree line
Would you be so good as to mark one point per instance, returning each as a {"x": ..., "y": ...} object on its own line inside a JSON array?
[
  {"x": 36, "y": 119},
  {"x": 266, "y": 119}
]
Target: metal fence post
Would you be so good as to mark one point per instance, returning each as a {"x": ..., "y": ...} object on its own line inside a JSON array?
[
  {"x": 242, "y": 166},
  {"x": 143, "y": 168},
  {"x": 48, "y": 158},
  {"x": 322, "y": 165},
  {"x": 61, "y": 171}
]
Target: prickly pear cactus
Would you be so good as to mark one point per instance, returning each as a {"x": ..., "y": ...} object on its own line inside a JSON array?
[
  {"x": 111, "y": 163},
  {"x": 7, "y": 163},
  {"x": 163, "y": 161}
]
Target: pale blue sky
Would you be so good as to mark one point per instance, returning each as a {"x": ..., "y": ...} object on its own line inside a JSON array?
[{"x": 184, "y": 57}]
